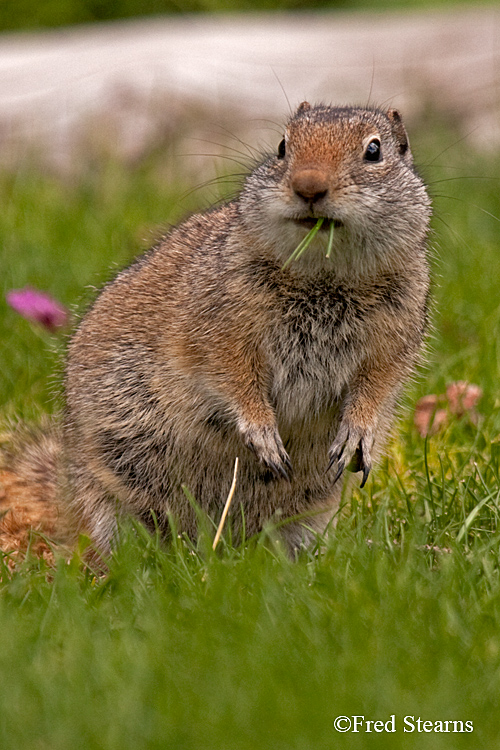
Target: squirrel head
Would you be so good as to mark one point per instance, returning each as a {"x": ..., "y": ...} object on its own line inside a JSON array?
[{"x": 351, "y": 167}]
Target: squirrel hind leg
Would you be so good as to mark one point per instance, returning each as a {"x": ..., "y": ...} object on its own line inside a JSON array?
[
  {"x": 93, "y": 511},
  {"x": 314, "y": 524}
]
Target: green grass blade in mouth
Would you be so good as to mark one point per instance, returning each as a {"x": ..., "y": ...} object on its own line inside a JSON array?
[
  {"x": 330, "y": 239},
  {"x": 302, "y": 246}
]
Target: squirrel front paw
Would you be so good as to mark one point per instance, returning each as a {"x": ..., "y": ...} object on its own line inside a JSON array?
[
  {"x": 265, "y": 442},
  {"x": 352, "y": 449}
]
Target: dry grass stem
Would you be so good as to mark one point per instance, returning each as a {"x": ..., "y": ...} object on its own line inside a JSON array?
[{"x": 227, "y": 505}]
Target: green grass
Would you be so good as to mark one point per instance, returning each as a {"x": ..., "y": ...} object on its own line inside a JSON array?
[
  {"x": 185, "y": 649},
  {"x": 179, "y": 647}
]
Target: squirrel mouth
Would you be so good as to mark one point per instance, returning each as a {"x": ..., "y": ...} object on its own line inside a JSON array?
[{"x": 311, "y": 221}]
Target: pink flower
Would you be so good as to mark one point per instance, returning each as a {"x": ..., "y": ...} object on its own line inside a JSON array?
[
  {"x": 38, "y": 307},
  {"x": 461, "y": 399},
  {"x": 428, "y": 417},
  {"x": 462, "y": 396}
]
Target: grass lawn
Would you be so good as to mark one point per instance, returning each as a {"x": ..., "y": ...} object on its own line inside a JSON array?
[{"x": 397, "y": 614}]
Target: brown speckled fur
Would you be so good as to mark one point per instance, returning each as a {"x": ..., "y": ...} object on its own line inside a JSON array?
[
  {"x": 206, "y": 348},
  {"x": 29, "y": 511}
]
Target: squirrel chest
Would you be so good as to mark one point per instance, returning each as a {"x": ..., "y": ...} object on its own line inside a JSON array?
[{"x": 320, "y": 338}]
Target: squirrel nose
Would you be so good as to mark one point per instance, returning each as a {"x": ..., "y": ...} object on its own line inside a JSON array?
[{"x": 310, "y": 185}]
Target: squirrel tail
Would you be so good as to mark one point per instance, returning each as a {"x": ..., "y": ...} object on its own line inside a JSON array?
[{"x": 30, "y": 515}]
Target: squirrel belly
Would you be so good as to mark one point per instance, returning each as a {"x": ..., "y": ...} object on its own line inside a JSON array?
[{"x": 211, "y": 346}]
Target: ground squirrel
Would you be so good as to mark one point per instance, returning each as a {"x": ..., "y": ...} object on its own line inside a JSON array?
[{"x": 207, "y": 347}]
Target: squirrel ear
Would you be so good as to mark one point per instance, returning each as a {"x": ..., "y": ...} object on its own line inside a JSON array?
[
  {"x": 304, "y": 107},
  {"x": 399, "y": 132}
]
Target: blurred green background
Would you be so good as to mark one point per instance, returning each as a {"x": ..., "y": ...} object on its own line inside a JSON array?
[{"x": 26, "y": 14}]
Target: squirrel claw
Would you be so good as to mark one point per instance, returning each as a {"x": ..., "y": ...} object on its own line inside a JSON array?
[
  {"x": 366, "y": 471},
  {"x": 351, "y": 449},
  {"x": 340, "y": 471},
  {"x": 266, "y": 444},
  {"x": 282, "y": 469},
  {"x": 279, "y": 470},
  {"x": 336, "y": 454},
  {"x": 330, "y": 464}
]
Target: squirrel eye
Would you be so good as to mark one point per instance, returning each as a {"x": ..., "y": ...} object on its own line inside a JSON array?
[
  {"x": 281, "y": 149},
  {"x": 373, "y": 152}
]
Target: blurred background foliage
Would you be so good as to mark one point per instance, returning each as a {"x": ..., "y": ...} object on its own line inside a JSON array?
[{"x": 27, "y": 14}]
